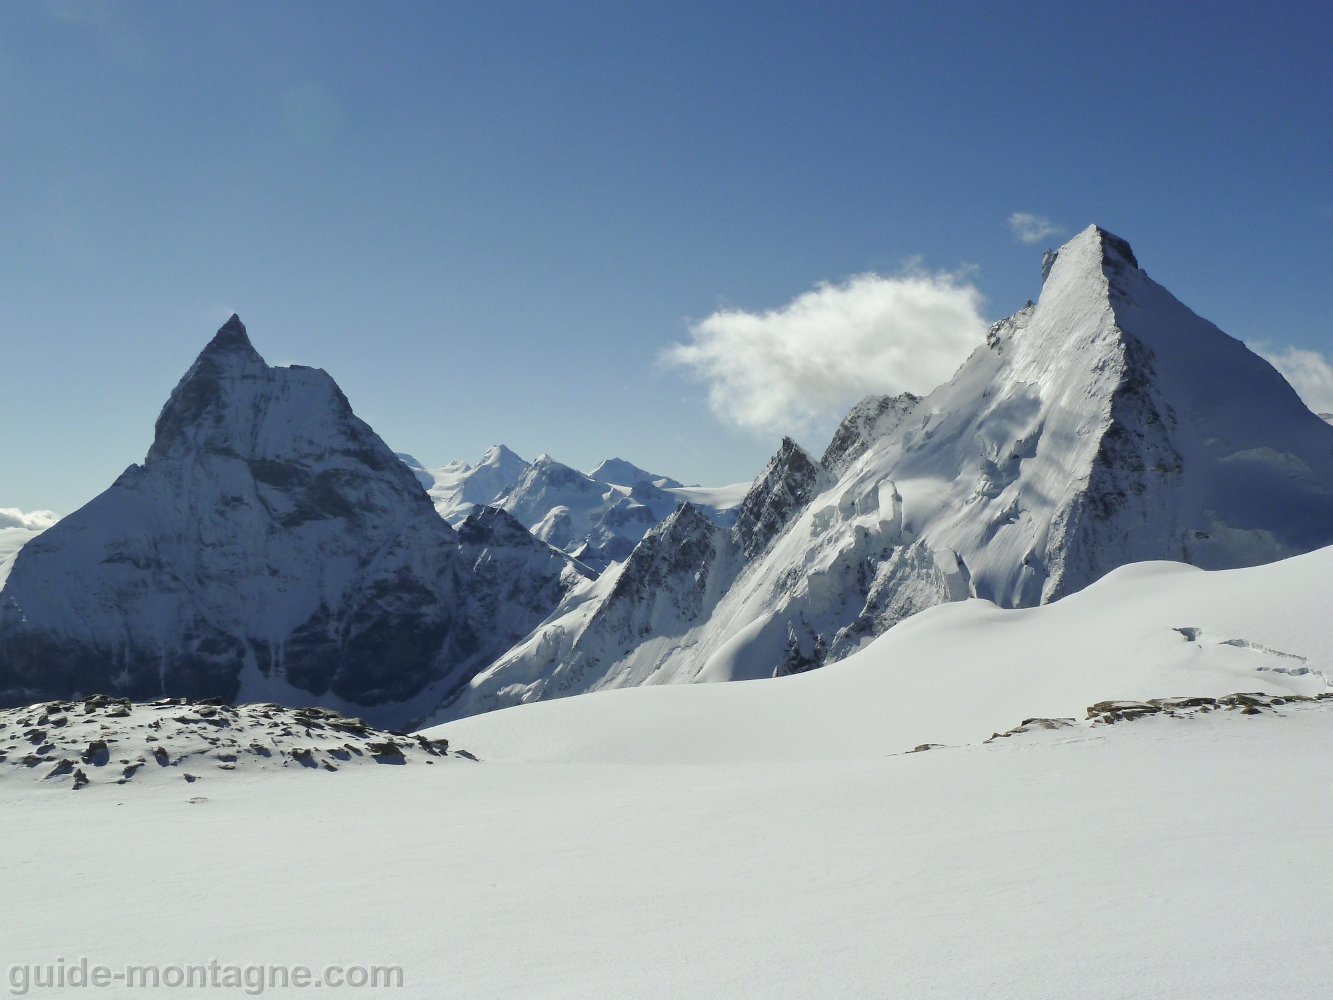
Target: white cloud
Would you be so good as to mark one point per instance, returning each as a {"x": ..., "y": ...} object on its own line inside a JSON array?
[
  {"x": 830, "y": 346},
  {"x": 1309, "y": 373},
  {"x": 16, "y": 530},
  {"x": 37, "y": 520},
  {"x": 1030, "y": 228}
]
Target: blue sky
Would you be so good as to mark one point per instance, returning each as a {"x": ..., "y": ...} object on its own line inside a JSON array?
[{"x": 488, "y": 221}]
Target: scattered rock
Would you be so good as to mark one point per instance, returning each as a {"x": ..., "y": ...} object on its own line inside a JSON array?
[
  {"x": 64, "y": 767},
  {"x": 87, "y": 732},
  {"x": 97, "y": 754},
  {"x": 432, "y": 746}
]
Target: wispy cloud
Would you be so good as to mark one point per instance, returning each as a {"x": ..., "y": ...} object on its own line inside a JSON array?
[
  {"x": 782, "y": 368},
  {"x": 35, "y": 520},
  {"x": 1309, "y": 373},
  {"x": 16, "y": 530},
  {"x": 1029, "y": 228}
]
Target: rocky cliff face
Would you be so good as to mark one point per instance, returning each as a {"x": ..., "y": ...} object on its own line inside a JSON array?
[
  {"x": 666, "y": 589},
  {"x": 270, "y": 540},
  {"x": 1104, "y": 424},
  {"x": 790, "y": 481},
  {"x": 870, "y": 420}
]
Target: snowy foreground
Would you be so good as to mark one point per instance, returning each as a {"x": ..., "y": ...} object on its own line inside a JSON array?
[{"x": 763, "y": 838}]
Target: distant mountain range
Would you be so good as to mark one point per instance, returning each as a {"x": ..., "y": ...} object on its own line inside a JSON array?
[
  {"x": 597, "y": 517},
  {"x": 272, "y": 547}
]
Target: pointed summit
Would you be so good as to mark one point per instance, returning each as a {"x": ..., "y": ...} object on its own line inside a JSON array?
[
  {"x": 1093, "y": 247},
  {"x": 791, "y": 480},
  {"x": 207, "y": 386},
  {"x": 231, "y": 338},
  {"x": 1106, "y": 424},
  {"x": 1113, "y": 244}
]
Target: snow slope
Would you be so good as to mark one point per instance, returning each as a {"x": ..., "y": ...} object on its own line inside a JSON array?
[
  {"x": 765, "y": 839},
  {"x": 959, "y": 672},
  {"x": 1158, "y": 858},
  {"x": 270, "y": 540},
  {"x": 16, "y": 530},
  {"x": 1104, "y": 425}
]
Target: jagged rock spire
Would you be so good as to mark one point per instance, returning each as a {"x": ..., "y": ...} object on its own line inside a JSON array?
[
  {"x": 231, "y": 339},
  {"x": 791, "y": 480}
]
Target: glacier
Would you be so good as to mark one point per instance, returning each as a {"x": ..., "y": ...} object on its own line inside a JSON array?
[{"x": 1105, "y": 424}]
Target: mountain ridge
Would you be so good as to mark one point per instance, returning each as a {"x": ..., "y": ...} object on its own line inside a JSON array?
[
  {"x": 270, "y": 534},
  {"x": 1106, "y": 423}
]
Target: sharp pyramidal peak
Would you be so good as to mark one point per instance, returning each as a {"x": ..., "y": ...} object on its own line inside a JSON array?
[
  {"x": 270, "y": 547},
  {"x": 1105, "y": 424}
]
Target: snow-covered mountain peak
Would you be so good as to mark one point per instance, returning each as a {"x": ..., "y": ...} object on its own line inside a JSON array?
[
  {"x": 272, "y": 544},
  {"x": 618, "y": 472},
  {"x": 291, "y": 425},
  {"x": 1105, "y": 424},
  {"x": 458, "y": 487},
  {"x": 1091, "y": 250},
  {"x": 500, "y": 456},
  {"x": 231, "y": 337}
]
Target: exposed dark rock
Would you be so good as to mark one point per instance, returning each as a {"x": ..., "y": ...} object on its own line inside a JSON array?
[
  {"x": 96, "y": 754},
  {"x": 872, "y": 418},
  {"x": 64, "y": 767},
  {"x": 790, "y": 481}
]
